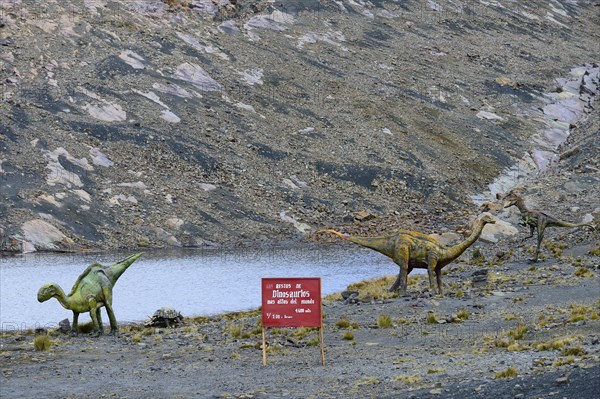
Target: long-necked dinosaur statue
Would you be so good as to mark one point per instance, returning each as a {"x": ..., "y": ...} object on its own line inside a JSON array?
[
  {"x": 413, "y": 250},
  {"x": 91, "y": 291},
  {"x": 534, "y": 218}
]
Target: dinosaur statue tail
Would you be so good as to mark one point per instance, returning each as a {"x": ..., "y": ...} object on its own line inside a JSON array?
[
  {"x": 567, "y": 224},
  {"x": 337, "y": 233},
  {"x": 378, "y": 243},
  {"x": 115, "y": 271}
]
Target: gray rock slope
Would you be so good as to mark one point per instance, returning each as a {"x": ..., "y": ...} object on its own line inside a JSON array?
[{"x": 127, "y": 123}]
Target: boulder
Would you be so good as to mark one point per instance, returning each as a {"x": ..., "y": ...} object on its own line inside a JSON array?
[
  {"x": 364, "y": 216},
  {"x": 43, "y": 236},
  {"x": 497, "y": 231},
  {"x": 447, "y": 239}
]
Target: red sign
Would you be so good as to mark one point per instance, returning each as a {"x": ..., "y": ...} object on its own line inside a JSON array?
[{"x": 291, "y": 302}]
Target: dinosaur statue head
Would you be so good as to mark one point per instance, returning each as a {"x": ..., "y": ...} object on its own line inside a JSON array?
[
  {"x": 486, "y": 218},
  {"x": 47, "y": 291},
  {"x": 510, "y": 199}
]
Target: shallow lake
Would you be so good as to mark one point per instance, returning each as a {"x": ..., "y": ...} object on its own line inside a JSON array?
[{"x": 194, "y": 281}]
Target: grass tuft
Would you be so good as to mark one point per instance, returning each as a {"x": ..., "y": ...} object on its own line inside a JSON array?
[
  {"x": 343, "y": 323},
  {"x": 518, "y": 332},
  {"x": 42, "y": 342},
  {"x": 584, "y": 272},
  {"x": 374, "y": 288},
  {"x": 509, "y": 373},
  {"x": 408, "y": 379},
  {"x": 463, "y": 314},
  {"x": 384, "y": 321},
  {"x": 572, "y": 351},
  {"x": 432, "y": 318}
]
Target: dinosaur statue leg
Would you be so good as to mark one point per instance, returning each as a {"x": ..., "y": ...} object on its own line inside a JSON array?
[
  {"x": 431, "y": 263},
  {"x": 531, "y": 230},
  {"x": 114, "y": 329},
  {"x": 438, "y": 275},
  {"x": 93, "y": 314},
  {"x": 540, "y": 237},
  {"x": 75, "y": 328},
  {"x": 109, "y": 310},
  {"x": 401, "y": 259},
  {"x": 99, "y": 317}
]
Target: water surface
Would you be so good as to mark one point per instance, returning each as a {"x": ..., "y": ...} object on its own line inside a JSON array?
[{"x": 195, "y": 282}]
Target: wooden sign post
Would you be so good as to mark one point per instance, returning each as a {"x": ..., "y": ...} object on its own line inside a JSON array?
[{"x": 291, "y": 302}]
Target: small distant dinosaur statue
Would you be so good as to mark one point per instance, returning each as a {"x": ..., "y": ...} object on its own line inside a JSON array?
[
  {"x": 413, "y": 250},
  {"x": 91, "y": 291},
  {"x": 534, "y": 218}
]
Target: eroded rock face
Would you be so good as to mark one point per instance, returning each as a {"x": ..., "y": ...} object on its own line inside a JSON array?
[
  {"x": 255, "y": 120},
  {"x": 41, "y": 235}
]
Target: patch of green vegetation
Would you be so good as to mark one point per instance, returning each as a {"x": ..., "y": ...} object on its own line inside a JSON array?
[
  {"x": 556, "y": 343},
  {"x": 463, "y": 314},
  {"x": 477, "y": 257},
  {"x": 136, "y": 338},
  {"x": 578, "y": 313},
  {"x": 561, "y": 361},
  {"x": 556, "y": 248},
  {"x": 233, "y": 316},
  {"x": 42, "y": 342},
  {"x": 509, "y": 373},
  {"x": 278, "y": 331},
  {"x": 256, "y": 331},
  {"x": 343, "y": 323},
  {"x": 517, "y": 347},
  {"x": 384, "y": 321},
  {"x": 518, "y": 332},
  {"x": 510, "y": 316},
  {"x": 459, "y": 293},
  {"x": 85, "y": 328},
  {"x": 273, "y": 349},
  {"x": 408, "y": 379},
  {"x": 148, "y": 331},
  {"x": 348, "y": 336},
  {"x": 190, "y": 329},
  {"x": 366, "y": 381},
  {"x": 584, "y": 272},
  {"x": 374, "y": 288},
  {"x": 435, "y": 371},
  {"x": 595, "y": 251},
  {"x": 234, "y": 330},
  {"x": 572, "y": 351},
  {"x": 301, "y": 332},
  {"x": 432, "y": 318}
]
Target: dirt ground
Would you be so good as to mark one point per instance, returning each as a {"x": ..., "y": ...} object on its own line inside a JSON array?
[{"x": 537, "y": 324}]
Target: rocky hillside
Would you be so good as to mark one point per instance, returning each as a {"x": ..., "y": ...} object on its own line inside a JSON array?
[{"x": 199, "y": 122}]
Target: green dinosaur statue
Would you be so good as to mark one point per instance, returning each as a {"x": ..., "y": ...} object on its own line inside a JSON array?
[
  {"x": 410, "y": 249},
  {"x": 534, "y": 218},
  {"x": 91, "y": 291}
]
